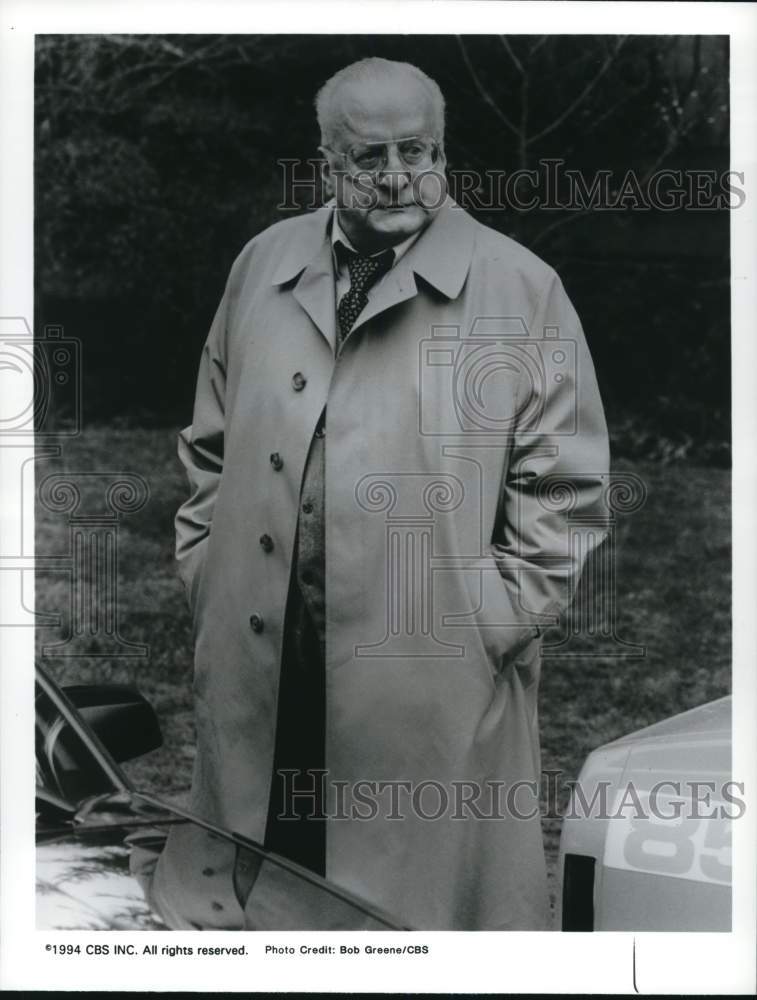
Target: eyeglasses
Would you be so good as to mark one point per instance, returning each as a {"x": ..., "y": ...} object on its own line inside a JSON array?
[{"x": 416, "y": 153}]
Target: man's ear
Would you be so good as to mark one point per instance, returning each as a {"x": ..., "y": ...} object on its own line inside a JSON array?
[{"x": 327, "y": 176}]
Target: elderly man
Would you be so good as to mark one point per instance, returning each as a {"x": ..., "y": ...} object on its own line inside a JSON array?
[{"x": 389, "y": 397}]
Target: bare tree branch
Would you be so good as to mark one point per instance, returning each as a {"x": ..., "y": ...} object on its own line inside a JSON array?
[
  {"x": 483, "y": 92},
  {"x": 537, "y": 45},
  {"x": 582, "y": 96},
  {"x": 515, "y": 61},
  {"x": 597, "y": 120},
  {"x": 565, "y": 220},
  {"x": 683, "y": 122}
]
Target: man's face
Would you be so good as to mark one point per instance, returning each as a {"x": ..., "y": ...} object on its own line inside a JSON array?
[{"x": 382, "y": 207}]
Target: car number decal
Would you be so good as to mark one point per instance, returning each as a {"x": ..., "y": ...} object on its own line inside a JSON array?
[{"x": 675, "y": 839}]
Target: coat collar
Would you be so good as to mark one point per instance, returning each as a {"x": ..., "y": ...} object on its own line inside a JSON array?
[{"x": 441, "y": 256}]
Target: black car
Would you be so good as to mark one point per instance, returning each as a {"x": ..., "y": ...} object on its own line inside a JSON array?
[{"x": 90, "y": 816}]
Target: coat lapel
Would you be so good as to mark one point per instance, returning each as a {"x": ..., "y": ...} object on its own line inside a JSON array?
[
  {"x": 441, "y": 257},
  {"x": 315, "y": 293},
  {"x": 307, "y": 262}
]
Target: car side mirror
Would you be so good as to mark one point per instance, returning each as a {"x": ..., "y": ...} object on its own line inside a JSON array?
[{"x": 122, "y": 719}]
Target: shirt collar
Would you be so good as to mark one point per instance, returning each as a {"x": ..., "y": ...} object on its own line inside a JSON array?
[{"x": 339, "y": 235}]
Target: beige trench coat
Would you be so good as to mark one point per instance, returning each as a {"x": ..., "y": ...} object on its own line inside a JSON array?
[{"x": 451, "y": 409}]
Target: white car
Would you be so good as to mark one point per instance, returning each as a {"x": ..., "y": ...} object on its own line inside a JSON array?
[{"x": 646, "y": 841}]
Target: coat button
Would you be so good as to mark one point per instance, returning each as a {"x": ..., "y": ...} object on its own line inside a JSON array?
[
  {"x": 208, "y": 871},
  {"x": 307, "y": 507},
  {"x": 217, "y": 906},
  {"x": 256, "y": 623},
  {"x": 266, "y": 543},
  {"x": 277, "y": 461},
  {"x": 299, "y": 381}
]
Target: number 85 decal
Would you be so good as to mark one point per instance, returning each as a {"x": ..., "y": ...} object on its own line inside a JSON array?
[{"x": 674, "y": 844}]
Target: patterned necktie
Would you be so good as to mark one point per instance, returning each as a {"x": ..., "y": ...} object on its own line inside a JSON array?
[{"x": 364, "y": 272}]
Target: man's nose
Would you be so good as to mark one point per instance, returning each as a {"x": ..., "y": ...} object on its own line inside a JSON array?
[{"x": 395, "y": 175}]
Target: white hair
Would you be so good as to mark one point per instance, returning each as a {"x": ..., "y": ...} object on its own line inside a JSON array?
[{"x": 374, "y": 70}]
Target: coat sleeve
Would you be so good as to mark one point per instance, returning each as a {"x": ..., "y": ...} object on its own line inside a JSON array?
[
  {"x": 201, "y": 450},
  {"x": 557, "y": 470}
]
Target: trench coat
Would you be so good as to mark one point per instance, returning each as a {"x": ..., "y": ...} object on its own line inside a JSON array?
[{"x": 461, "y": 405}]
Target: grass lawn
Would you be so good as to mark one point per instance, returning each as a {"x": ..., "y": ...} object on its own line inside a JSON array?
[{"x": 673, "y": 586}]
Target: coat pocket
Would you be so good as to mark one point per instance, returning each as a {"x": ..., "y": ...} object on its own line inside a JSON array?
[{"x": 503, "y": 627}]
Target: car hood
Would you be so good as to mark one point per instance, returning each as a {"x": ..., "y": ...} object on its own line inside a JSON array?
[
  {"x": 84, "y": 880},
  {"x": 706, "y": 723},
  {"x": 87, "y": 879},
  {"x": 84, "y": 883},
  {"x": 661, "y": 833}
]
